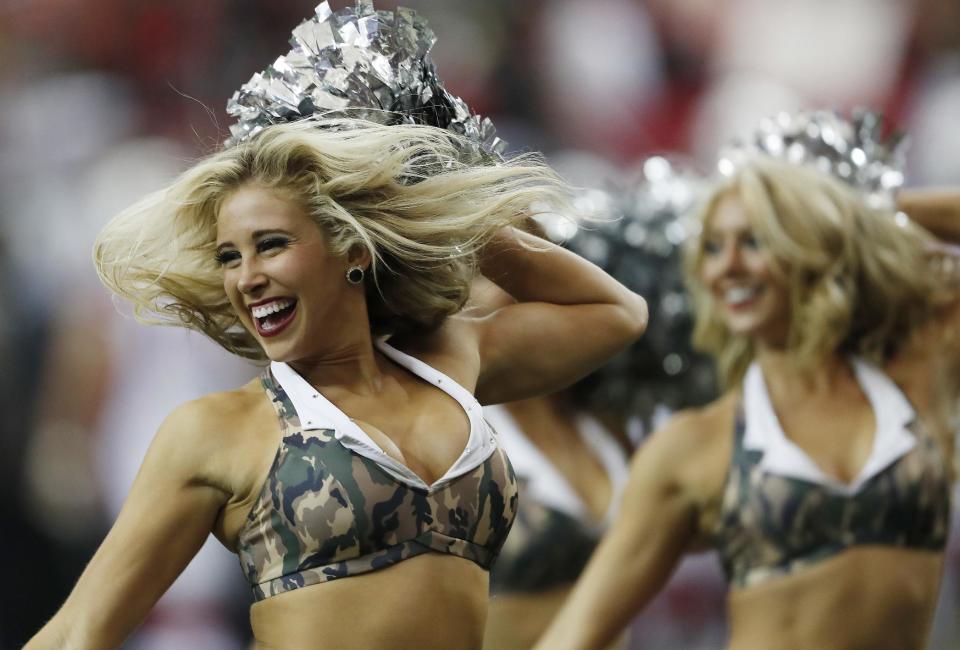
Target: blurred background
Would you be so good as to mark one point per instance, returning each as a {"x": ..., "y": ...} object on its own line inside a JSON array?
[{"x": 104, "y": 100}]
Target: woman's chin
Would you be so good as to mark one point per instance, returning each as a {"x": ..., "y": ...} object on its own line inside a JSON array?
[
  {"x": 743, "y": 325},
  {"x": 755, "y": 325},
  {"x": 279, "y": 351},
  {"x": 766, "y": 337}
]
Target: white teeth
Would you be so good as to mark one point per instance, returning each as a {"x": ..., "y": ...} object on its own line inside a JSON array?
[
  {"x": 740, "y": 294},
  {"x": 266, "y": 327},
  {"x": 262, "y": 311}
]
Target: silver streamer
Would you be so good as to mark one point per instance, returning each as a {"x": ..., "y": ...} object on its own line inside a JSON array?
[
  {"x": 640, "y": 226},
  {"x": 362, "y": 63},
  {"x": 852, "y": 149}
]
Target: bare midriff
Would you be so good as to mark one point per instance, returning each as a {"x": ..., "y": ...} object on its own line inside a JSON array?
[
  {"x": 868, "y": 597},
  {"x": 517, "y": 620},
  {"x": 429, "y": 602}
]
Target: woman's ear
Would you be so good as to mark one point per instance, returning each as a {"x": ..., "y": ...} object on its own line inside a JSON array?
[{"x": 359, "y": 255}]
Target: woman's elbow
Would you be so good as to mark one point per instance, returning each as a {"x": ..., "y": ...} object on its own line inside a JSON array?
[{"x": 634, "y": 315}]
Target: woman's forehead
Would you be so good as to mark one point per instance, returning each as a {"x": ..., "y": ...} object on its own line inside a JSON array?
[
  {"x": 257, "y": 207},
  {"x": 728, "y": 214}
]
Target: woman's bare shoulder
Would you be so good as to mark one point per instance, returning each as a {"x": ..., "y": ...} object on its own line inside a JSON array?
[
  {"x": 698, "y": 446},
  {"x": 698, "y": 430},
  {"x": 199, "y": 434},
  {"x": 693, "y": 447},
  {"x": 214, "y": 410}
]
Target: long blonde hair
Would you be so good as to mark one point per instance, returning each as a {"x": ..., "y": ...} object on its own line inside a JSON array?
[
  {"x": 859, "y": 280},
  {"x": 407, "y": 193}
]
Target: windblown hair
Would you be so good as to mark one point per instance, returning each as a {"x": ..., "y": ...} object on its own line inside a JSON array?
[
  {"x": 859, "y": 280},
  {"x": 411, "y": 195}
]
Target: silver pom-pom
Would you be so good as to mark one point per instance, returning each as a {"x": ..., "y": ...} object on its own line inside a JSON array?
[
  {"x": 361, "y": 63},
  {"x": 640, "y": 227},
  {"x": 852, "y": 149}
]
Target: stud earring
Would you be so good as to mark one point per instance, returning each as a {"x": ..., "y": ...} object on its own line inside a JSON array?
[{"x": 355, "y": 275}]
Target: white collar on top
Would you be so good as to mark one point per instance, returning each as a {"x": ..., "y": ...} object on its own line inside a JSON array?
[
  {"x": 892, "y": 439},
  {"x": 545, "y": 484},
  {"x": 316, "y": 412}
]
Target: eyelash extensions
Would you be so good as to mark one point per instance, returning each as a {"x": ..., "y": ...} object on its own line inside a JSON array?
[{"x": 268, "y": 243}]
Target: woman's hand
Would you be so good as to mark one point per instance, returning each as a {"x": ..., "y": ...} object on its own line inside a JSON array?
[
  {"x": 568, "y": 318},
  {"x": 164, "y": 522}
]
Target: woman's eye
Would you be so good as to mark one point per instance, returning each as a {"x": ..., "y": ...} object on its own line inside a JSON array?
[
  {"x": 751, "y": 242},
  {"x": 225, "y": 258},
  {"x": 711, "y": 247},
  {"x": 272, "y": 243}
]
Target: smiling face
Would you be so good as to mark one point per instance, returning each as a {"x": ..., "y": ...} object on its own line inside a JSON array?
[
  {"x": 752, "y": 299},
  {"x": 282, "y": 280}
]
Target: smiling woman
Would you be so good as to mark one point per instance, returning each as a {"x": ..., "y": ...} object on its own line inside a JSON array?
[
  {"x": 795, "y": 257},
  {"x": 357, "y": 476},
  {"x": 822, "y": 476},
  {"x": 355, "y": 467},
  {"x": 369, "y": 187},
  {"x": 270, "y": 253},
  {"x": 742, "y": 276}
]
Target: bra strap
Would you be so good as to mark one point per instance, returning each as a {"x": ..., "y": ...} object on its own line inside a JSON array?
[{"x": 286, "y": 413}]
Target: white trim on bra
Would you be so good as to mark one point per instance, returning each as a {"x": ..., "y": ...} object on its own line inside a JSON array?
[
  {"x": 781, "y": 456},
  {"x": 316, "y": 412},
  {"x": 545, "y": 483}
]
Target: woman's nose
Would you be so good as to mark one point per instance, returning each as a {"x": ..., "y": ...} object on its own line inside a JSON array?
[
  {"x": 251, "y": 278},
  {"x": 731, "y": 258}
]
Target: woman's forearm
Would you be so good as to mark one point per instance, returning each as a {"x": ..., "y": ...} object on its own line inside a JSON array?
[
  {"x": 536, "y": 345},
  {"x": 532, "y": 269},
  {"x": 55, "y": 635}
]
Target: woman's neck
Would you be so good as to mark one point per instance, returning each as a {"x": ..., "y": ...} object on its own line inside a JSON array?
[
  {"x": 354, "y": 366},
  {"x": 784, "y": 377}
]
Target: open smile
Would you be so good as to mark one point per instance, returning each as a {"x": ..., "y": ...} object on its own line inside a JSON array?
[
  {"x": 272, "y": 316},
  {"x": 741, "y": 297}
]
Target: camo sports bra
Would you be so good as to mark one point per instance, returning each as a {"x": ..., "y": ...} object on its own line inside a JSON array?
[
  {"x": 554, "y": 533},
  {"x": 335, "y": 505},
  {"x": 781, "y": 513}
]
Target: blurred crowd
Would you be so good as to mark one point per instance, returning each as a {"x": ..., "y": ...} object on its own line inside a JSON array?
[{"x": 103, "y": 100}]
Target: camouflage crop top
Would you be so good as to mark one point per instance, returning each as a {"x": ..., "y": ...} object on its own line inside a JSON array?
[
  {"x": 780, "y": 513},
  {"x": 554, "y": 533},
  {"x": 334, "y": 505}
]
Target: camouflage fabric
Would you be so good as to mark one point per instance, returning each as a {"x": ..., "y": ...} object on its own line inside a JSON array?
[
  {"x": 546, "y": 548},
  {"x": 326, "y": 513},
  {"x": 774, "y": 525}
]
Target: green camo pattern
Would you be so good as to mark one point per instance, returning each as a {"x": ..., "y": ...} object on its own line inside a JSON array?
[
  {"x": 325, "y": 512},
  {"x": 546, "y": 549},
  {"x": 773, "y": 525}
]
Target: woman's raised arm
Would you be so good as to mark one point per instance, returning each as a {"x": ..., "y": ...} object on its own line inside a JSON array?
[
  {"x": 166, "y": 519},
  {"x": 656, "y": 524},
  {"x": 569, "y": 318},
  {"x": 937, "y": 210}
]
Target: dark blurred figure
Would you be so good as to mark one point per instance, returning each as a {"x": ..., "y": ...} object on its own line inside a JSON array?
[{"x": 23, "y": 339}]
